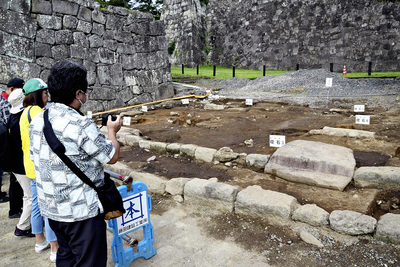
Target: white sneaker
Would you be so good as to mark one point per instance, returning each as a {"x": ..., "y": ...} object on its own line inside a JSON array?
[
  {"x": 53, "y": 256},
  {"x": 40, "y": 247}
]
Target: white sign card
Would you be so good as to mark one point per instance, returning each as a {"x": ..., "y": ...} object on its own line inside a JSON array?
[
  {"x": 249, "y": 102},
  {"x": 126, "y": 121},
  {"x": 136, "y": 213},
  {"x": 277, "y": 140},
  {"x": 362, "y": 119},
  {"x": 328, "y": 82},
  {"x": 89, "y": 114},
  {"x": 359, "y": 108},
  {"x": 185, "y": 101},
  {"x": 144, "y": 108}
]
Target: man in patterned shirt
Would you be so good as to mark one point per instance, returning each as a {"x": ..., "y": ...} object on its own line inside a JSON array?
[{"x": 72, "y": 207}]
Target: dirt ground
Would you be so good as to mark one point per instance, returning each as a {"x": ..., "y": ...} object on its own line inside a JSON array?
[{"x": 237, "y": 123}]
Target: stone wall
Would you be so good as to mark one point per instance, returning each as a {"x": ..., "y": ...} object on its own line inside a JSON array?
[
  {"x": 282, "y": 33},
  {"x": 185, "y": 26},
  {"x": 124, "y": 51}
]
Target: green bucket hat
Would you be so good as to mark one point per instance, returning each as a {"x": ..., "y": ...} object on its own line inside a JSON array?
[{"x": 34, "y": 85}]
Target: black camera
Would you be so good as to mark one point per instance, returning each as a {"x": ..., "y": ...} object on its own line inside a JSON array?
[{"x": 104, "y": 119}]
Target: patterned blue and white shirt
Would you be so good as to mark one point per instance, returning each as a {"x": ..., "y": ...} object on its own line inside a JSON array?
[
  {"x": 62, "y": 195},
  {"x": 5, "y": 107}
]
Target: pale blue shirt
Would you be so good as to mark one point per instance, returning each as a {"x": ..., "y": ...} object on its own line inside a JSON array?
[{"x": 62, "y": 195}]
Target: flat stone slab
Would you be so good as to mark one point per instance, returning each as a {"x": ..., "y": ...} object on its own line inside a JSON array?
[
  {"x": 266, "y": 203},
  {"x": 388, "y": 228},
  {"x": 341, "y": 132},
  {"x": 378, "y": 177},
  {"x": 313, "y": 163}
]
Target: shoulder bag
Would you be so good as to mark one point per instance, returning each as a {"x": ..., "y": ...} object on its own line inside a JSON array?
[{"x": 108, "y": 194}]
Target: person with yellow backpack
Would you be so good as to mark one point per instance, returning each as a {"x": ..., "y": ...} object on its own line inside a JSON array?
[{"x": 36, "y": 98}]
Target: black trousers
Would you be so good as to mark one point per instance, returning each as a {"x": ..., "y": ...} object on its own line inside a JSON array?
[
  {"x": 16, "y": 195},
  {"x": 82, "y": 243}
]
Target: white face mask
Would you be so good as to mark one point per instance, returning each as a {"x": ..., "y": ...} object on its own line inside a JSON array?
[{"x": 86, "y": 98}]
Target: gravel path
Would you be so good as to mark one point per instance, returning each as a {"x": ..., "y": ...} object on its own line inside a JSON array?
[{"x": 308, "y": 87}]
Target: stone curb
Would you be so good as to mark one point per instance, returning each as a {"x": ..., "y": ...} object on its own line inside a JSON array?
[
  {"x": 268, "y": 203},
  {"x": 256, "y": 201}
]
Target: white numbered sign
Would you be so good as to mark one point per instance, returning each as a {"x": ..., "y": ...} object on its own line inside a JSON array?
[
  {"x": 126, "y": 121},
  {"x": 185, "y": 101},
  {"x": 89, "y": 114},
  {"x": 277, "y": 140},
  {"x": 359, "y": 108},
  {"x": 144, "y": 108},
  {"x": 362, "y": 119},
  {"x": 249, "y": 102},
  {"x": 328, "y": 82}
]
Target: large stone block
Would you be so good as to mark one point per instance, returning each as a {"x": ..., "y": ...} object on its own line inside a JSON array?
[
  {"x": 214, "y": 195},
  {"x": 313, "y": 163},
  {"x": 257, "y": 162},
  {"x": 351, "y": 222},
  {"x": 378, "y": 177},
  {"x": 266, "y": 203},
  {"x": 64, "y": 37},
  {"x": 46, "y": 36},
  {"x": 312, "y": 215},
  {"x": 20, "y": 68},
  {"x": 175, "y": 186},
  {"x": 18, "y": 47},
  {"x": 20, "y": 6},
  {"x": 42, "y": 7},
  {"x": 110, "y": 75},
  {"x": 65, "y": 7},
  {"x": 388, "y": 228},
  {"x": 49, "y": 22},
  {"x": 155, "y": 184},
  {"x": 17, "y": 23},
  {"x": 205, "y": 154}
]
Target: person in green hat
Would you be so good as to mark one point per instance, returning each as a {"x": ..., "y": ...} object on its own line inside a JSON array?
[{"x": 36, "y": 97}]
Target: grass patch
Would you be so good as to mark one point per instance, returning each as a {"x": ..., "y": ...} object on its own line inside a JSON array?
[
  {"x": 227, "y": 73},
  {"x": 221, "y": 72},
  {"x": 392, "y": 74}
]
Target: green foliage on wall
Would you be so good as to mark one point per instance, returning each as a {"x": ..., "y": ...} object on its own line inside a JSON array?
[{"x": 171, "y": 47}]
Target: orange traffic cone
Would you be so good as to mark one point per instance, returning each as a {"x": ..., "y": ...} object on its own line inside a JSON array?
[{"x": 344, "y": 70}]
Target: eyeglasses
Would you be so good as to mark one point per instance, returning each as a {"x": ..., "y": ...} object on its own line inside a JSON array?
[
  {"x": 46, "y": 92},
  {"x": 86, "y": 94}
]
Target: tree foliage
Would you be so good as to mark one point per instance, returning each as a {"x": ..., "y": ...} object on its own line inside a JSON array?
[{"x": 148, "y": 6}]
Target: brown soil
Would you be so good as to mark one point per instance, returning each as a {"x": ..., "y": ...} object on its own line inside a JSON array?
[{"x": 237, "y": 123}]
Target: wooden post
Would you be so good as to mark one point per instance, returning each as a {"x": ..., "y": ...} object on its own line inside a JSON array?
[
  {"x": 214, "y": 70},
  {"x": 369, "y": 68},
  {"x": 264, "y": 70},
  {"x": 331, "y": 67},
  {"x": 197, "y": 69},
  {"x": 233, "y": 71},
  {"x": 183, "y": 69}
]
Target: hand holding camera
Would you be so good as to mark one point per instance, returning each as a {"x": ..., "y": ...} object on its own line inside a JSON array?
[{"x": 113, "y": 122}]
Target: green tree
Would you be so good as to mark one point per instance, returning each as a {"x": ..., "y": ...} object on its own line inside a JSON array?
[
  {"x": 148, "y": 6},
  {"x": 121, "y": 3}
]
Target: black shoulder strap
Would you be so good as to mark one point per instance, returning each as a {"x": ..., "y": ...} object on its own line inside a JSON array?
[
  {"x": 59, "y": 149},
  {"x": 29, "y": 114}
]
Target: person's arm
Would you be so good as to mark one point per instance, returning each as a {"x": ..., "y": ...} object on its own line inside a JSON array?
[{"x": 113, "y": 127}]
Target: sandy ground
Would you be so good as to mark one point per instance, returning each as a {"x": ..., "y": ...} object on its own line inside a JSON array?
[{"x": 180, "y": 240}]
